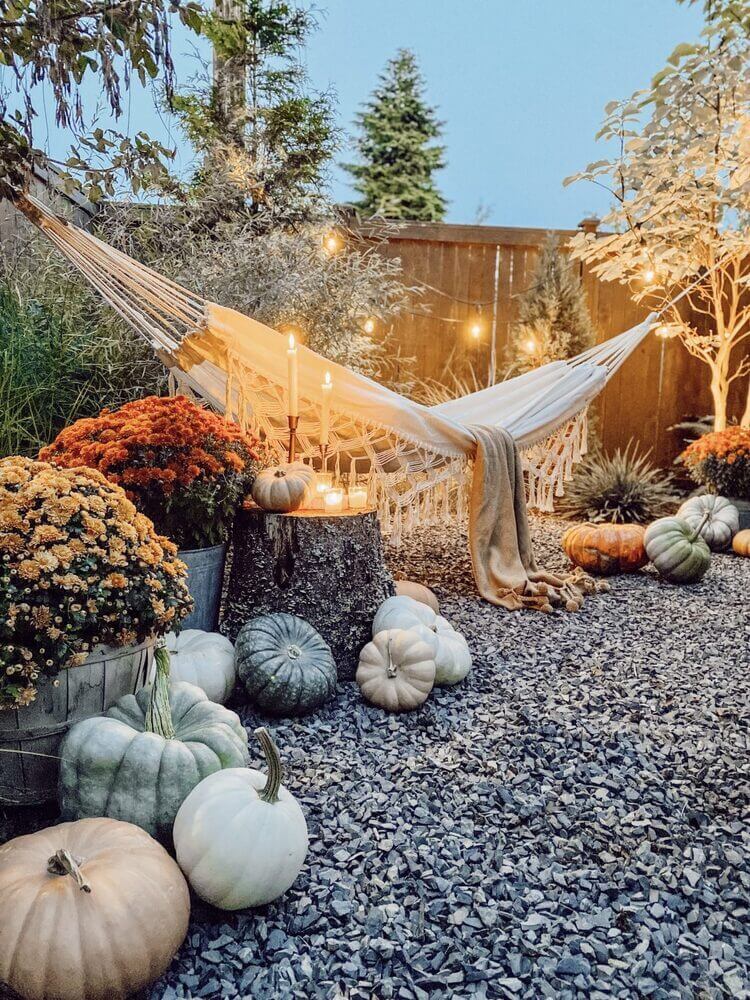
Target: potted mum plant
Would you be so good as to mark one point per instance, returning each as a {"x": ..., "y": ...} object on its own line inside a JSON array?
[
  {"x": 86, "y": 585},
  {"x": 720, "y": 461},
  {"x": 184, "y": 467}
]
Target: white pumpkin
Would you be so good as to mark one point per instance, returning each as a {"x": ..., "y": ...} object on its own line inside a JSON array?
[
  {"x": 402, "y": 612},
  {"x": 205, "y": 659},
  {"x": 723, "y": 520},
  {"x": 452, "y": 656},
  {"x": 240, "y": 837},
  {"x": 396, "y": 670}
]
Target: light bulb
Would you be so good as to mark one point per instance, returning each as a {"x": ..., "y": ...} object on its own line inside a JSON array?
[
  {"x": 369, "y": 325},
  {"x": 649, "y": 275},
  {"x": 475, "y": 330},
  {"x": 529, "y": 345},
  {"x": 331, "y": 242}
]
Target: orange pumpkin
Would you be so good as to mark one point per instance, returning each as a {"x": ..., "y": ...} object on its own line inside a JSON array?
[
  {"x": 741, "y": 542},
  {"x": 606, "y": 549}
]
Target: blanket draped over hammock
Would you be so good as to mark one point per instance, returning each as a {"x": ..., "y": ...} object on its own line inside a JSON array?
[{"x": 415, "y": 459}]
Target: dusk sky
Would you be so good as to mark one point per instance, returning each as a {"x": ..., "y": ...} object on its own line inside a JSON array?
[{"x": 521, "y": 88}]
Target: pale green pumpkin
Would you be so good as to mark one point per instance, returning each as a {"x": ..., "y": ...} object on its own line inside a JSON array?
[
  {"x": 677, "y": 550},
  {"x": 139, "y": 762}
]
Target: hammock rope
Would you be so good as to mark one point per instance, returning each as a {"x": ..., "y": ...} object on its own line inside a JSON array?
[{"x": 415, "y": 459}]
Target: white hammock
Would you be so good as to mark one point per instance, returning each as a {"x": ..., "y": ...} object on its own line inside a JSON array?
[{"x": 415, "y": 458}]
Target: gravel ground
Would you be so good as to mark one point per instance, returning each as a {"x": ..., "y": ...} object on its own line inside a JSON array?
[{"x": 571, "y": 821}]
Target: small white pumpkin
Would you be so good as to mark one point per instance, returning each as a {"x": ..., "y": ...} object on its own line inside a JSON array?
[
  {"x": 452, "y": 657},
  {"x": 283, "y": 488},
  {"x": 418, "y": 591},
  {"x": 723, "y": 519},
  {"x": 241, "y": 840},
  {"x": 205, "y": 659},
  {"x": 396, "y": 670},
  {"x": 402, "y": 612}
]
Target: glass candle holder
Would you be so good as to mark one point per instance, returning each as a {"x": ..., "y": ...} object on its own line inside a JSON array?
[
  {"x": 357, "y": 496},
  {"x": 334, "y": 500},
  {"x": 324, "y": 482}
]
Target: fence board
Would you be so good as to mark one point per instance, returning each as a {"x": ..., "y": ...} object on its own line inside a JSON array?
[{"x": 659, "y": 385}]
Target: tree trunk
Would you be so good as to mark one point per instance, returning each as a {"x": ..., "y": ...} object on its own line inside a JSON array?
[
  {"x": 329, "y": 570},
  {"x": 719, "y": 395}
]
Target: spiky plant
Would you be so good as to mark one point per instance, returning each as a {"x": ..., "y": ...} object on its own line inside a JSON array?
[{"x": 624, "y": 488}]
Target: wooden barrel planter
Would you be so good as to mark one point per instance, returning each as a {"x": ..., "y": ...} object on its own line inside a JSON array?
[
  {"x": 326, "y": 568},
  {"x": 29, "y": 777}
]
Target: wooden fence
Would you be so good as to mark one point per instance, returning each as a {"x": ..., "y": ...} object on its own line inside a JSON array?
[{"x": 472, "y": 276}]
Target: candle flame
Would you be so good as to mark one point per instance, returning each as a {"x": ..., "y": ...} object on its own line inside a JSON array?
[
  {"x": 291, "y": 342},
  {"x": 328, "y": 378}
]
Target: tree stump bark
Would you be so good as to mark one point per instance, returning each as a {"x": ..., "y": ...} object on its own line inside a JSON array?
[{"x": 326, "y": 568}]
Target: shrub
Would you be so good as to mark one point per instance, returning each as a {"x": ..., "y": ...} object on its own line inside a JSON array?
[
  {"x": 721, "y": 462},
  {"x": 59, "y": 362},
  {"x": 623, "y": 488},
  {"x": 80, "y": 567},
  {"x": 183, "y": 466}
]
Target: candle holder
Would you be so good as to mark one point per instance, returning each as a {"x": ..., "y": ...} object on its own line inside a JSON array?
[
  {"x": 357, "y": 496},
  {"x": 333, "y": 500},
  {"x": 292, "y": 450}
]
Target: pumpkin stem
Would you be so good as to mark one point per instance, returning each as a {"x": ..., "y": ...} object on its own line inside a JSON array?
[
  {"x": 62, "y": 862},
  {"x": 270, "y": 791},
  {"x": 159, "y": 714},
  {"x": 700, "y": 527}
]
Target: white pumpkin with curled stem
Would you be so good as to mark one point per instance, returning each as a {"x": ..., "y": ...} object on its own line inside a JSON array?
[
  {"x": 241, "y": 840},
  {"x": 450, "y": 649},
  {"x": 396, "y": 670}
]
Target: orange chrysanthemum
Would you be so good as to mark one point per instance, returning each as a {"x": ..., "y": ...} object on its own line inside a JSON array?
[{"x": 721, "y": 461}]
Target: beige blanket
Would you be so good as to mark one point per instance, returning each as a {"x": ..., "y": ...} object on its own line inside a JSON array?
[{"x": 499, "y": 538}]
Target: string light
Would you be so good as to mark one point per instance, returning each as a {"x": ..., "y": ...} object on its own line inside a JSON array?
[
  {"x": 529, "y": 346},
  {"x": 331, "y": 242},
  {"x": 369, "y": 325},
  {"x": 476, "y": 330},
  {"x": 649, "y": 275},
  {"x": 662, "y": 331}
]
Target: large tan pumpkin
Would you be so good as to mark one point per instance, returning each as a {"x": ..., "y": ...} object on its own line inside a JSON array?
[
  {"x": 418, "y": 591},
  {"x": 91, "y": 909},
  {"x": 741, "y": 542},
  {"x": 606, "y": 549}
]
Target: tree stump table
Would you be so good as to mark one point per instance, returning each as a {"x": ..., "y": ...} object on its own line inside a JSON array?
[{"x": 326, "y": 568}]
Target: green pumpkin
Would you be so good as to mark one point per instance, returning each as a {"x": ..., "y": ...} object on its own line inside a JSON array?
[
  {"x": 286, "y": 666},
  {"x": 677, "y": 550},
  {"x": 141, "y": 760}
]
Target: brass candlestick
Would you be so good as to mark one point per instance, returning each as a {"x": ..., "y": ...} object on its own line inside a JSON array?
[
  {"x": 323, "y": 455},
  {"x": 292, "y": 450}
]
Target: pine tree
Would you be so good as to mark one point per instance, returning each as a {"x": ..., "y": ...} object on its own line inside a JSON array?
[
  {"x": 396, "y": 148},
  {"x": 553, "y": 318}
]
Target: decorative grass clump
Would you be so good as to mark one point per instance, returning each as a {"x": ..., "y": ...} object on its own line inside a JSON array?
[
  {"x": 623, "y": 488},
  {"x": 59, "y": 362}
]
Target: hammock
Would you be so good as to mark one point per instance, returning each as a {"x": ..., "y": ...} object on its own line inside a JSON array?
[{"x": 415, "y": 459}]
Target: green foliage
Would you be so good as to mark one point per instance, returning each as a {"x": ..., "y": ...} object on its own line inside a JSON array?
[
  {"x": 553, "y": 319},
  {"x": 59, "y": 46},
  {"x": 262, "y": 137},
  {"x": 397, "y": 148},
  {"x": 623, "y": 488},
  {"x": 61, "y": 359}
]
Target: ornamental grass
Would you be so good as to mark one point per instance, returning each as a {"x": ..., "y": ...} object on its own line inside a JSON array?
[
  {"x": 183, "y": 466},
  {"x": 81, "y": 567},
  {"x": 720, "y": 461}
]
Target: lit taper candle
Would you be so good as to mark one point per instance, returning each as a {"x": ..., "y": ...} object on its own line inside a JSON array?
[
  {"x": 325, "y": 412},
  {"x": 291, "y": 355}
]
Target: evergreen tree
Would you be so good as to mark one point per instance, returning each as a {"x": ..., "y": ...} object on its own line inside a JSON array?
[
  {"x": 264, "y": 138},
  {"x": 396, "y": 148},
  {"x": 553, "y": 318}
]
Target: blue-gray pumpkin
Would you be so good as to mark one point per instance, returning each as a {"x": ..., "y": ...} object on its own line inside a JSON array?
[
  {"x": 677, "y": 549},
  {"x": 140, "y": 761},
  {"x": 285, "y": 665}
]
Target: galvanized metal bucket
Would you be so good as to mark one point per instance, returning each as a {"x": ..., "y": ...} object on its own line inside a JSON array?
[
  {"x": 743, "y": 508},
  {"x": 30, "y": 776},
  {"x": 205, "y": 578}
]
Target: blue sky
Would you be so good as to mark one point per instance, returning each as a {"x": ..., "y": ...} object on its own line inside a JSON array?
[{"x": 520, "y": 85}]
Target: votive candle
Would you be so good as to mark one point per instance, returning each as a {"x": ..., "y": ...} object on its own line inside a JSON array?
[
  {"x": 357, "y": 496},
  {"x": 334, "y": 500}
]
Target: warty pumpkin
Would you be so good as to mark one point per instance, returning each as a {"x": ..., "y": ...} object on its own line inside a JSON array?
[
  {"x": 718, "y": 517},
  {"x": 139, "y": 761},
  {"x": 677, "y": 550},
  {"x": 241, "y": 836},
  {"x": 284, "y": 664},
  {"x": 283, "y": 488},
  {"x": 606, "y": 549},
  {"x": 92, "y": 910},
  {"x": 396, "y": 670}
]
